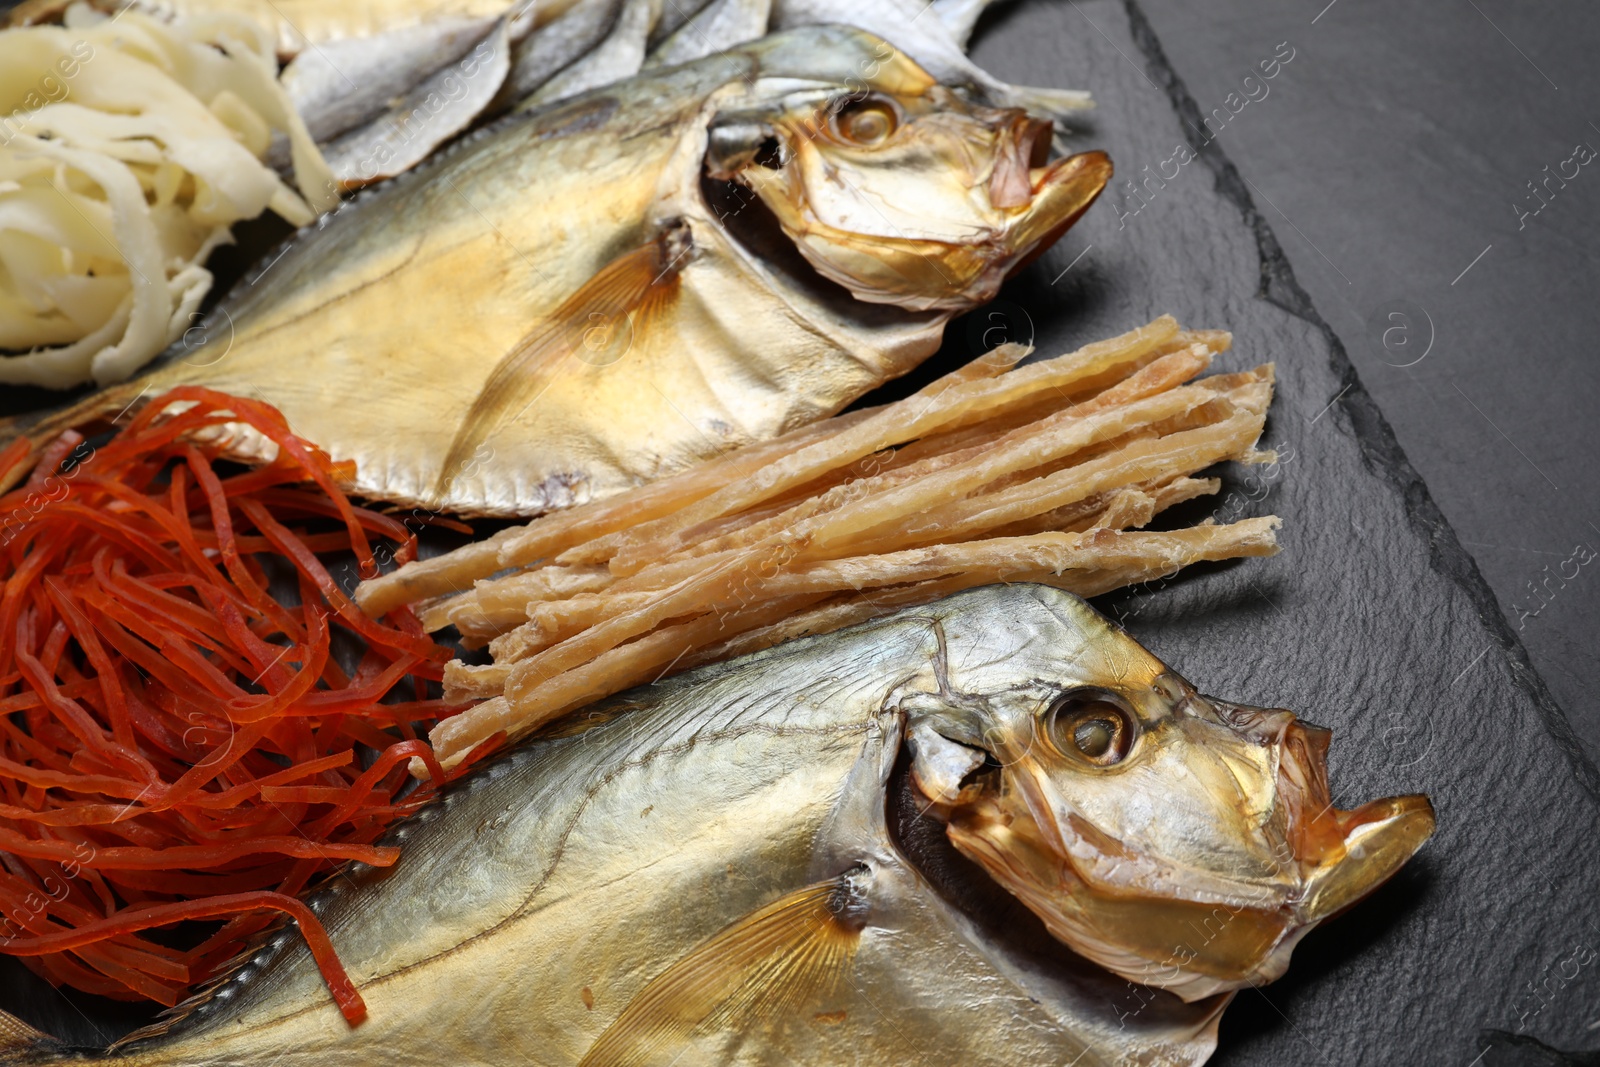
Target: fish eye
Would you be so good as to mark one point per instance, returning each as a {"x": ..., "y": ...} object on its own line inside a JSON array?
[
  {"x": 866, "y": 122},
  {"x": 1092, "y": 725}
]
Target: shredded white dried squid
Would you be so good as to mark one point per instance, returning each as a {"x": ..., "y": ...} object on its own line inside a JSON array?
[{"x": 128, "y": 148}]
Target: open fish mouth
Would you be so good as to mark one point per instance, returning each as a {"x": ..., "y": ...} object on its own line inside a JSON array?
[
  {"x": 922, "y": 199},
  {"x": 1216, "y": 906},
  {"x": 1024, "y": 170},
  {"x": 923, "y": 273},
  {"x": 1057, "y": 199},
  {"x": 1344, "y": 855}
]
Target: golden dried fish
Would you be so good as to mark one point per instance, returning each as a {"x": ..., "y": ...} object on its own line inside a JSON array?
[
  {"x": 991, "y": 830},
  {"x": 591, "y": 295}
]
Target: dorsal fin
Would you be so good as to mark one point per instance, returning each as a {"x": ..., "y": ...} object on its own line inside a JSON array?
[
  {"x": 601, "y": 318},
  {"x": 766, "y": 963}
]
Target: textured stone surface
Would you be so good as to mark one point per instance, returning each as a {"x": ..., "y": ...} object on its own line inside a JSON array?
[
  {"x": 1402, "y": 144},
  {"x": 1373, "y": 620}
]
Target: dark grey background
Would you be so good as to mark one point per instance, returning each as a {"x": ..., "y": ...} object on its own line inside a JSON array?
[
  {"x": 1392, "y": 153},
  {"x": 1376, "y": 619}
]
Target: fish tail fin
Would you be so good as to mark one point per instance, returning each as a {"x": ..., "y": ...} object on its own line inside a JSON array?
[
  {"x": 597, "y": 323},
  {"x": 23, "y": 436},
  {"x": 759, "y": 967}
]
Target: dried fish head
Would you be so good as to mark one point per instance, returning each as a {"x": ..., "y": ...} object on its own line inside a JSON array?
[
  {"x": 900, "y": 189},
  {"x": 1180, "y": 842}
]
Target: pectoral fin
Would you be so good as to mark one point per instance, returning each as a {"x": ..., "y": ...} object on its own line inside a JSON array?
[
  {"x": 596, "y": 324},
  {"x": 766, "y": 963}
]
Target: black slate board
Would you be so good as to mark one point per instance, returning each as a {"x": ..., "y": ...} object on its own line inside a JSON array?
[{"x": 1373, "y": 621}]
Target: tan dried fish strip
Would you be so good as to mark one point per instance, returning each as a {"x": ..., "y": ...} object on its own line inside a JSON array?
[
  {"x": 1086, "y": 564},
  {"x": 1124, "y": 508},
  {"x": 994, "y": 473},
  {"x": 1140, "y": 461},
  {"x": 1049, "y": 401},
  {"x": 740, "y": 573},
  {"x": 639, "y": 557},
  {"x": 557, "y": 620},
  {"x": 888, "y": 497},
  {"x": 465, "y": 682},
  {"x": 617, "y": 669},
  {"x": 495, "y": 606},
  {"x": 1147, "y": 383},
  {"x": 1249, "y": 537},
  {"x": 992, "y": 559},
  {"x": 549, "y": 535},
  {"x": 951, "y": 406},
  {"x": 1085, "y": 514}
]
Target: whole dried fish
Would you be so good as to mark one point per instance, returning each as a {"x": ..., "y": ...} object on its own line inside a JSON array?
[
  {"x": 589, "y": 295},
  {"x": 992, "y": 830}
]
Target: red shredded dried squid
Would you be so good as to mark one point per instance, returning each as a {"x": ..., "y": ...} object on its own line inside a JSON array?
[{"x": 176, "y": 743}]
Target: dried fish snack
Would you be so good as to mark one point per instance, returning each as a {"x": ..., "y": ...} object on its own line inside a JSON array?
[
  {"x": 988, "y": 830},
  {"x": 996, "y": 472},
  {"x": 128, "y": 151},
  {"x": 690, "y": 276}
]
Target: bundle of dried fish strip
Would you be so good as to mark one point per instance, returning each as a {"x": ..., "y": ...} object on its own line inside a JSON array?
[
  {"x": 994, "y": 473},
  {"x": 128, "y": 147}
]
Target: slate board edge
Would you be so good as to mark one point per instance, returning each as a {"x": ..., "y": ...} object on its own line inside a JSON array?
[{"x": 1380, "y": 449}]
